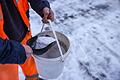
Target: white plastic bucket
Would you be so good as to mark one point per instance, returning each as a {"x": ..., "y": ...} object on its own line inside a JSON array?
[{"x": 49, "y": 65}]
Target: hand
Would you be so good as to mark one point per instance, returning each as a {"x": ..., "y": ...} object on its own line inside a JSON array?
[
  {"x": 48, "y": 14},
  {"x": 28, "y": 50}
]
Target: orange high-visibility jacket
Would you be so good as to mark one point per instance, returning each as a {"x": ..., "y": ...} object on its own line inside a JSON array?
[
  {"x": 23, "y": 7},
  {"x": 10, "y": 71}
]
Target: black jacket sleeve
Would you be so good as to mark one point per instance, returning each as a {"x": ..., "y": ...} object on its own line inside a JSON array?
[
  {"x": 38, "y": 5},
  {"x": 11, "y": 52}
]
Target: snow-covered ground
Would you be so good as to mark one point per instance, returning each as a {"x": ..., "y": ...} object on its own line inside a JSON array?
[{"x": 93, "y": 27}]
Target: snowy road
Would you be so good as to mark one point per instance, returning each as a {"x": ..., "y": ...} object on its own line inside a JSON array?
[{"x": 93, "y": 27}]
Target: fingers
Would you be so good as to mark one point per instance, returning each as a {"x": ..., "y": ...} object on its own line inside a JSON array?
[
  {"x": 48, "y": 14},
  {"x": 28, "y": 50},
  {"x": 51, "y": 15}
]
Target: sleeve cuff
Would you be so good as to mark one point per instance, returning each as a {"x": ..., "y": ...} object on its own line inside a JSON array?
[
  {"x": 22, "y": 55},
  {"x": 19, "y": 52},
  {"x": 39, "y": 5}
]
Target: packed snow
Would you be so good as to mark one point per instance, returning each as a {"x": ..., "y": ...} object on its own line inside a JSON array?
[{"x": 93, "y": 27}]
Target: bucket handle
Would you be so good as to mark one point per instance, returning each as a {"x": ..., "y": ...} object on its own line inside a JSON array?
[{"x": 56, "y": 39}]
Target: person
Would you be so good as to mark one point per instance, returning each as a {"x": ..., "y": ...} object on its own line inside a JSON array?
[{"x": 14, "y": 33}]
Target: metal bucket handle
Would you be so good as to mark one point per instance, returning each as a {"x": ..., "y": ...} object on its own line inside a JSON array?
[{"x": 56, "y": 39}]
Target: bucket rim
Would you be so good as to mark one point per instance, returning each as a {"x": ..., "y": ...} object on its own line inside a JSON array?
[
  {"x": 58, "y": 58},
  {"x": 52, "y": 59}
]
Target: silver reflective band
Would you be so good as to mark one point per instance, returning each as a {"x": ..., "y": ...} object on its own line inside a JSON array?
[
  {"x": 17, "y": 1},
  {"x": 33, "y": 76}
]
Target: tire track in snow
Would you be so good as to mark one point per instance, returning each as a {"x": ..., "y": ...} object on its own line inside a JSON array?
[{"x": 115, "y": 54}]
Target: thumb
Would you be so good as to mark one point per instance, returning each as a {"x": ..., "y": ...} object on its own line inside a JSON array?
[{"x": 28, "y": 50}]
